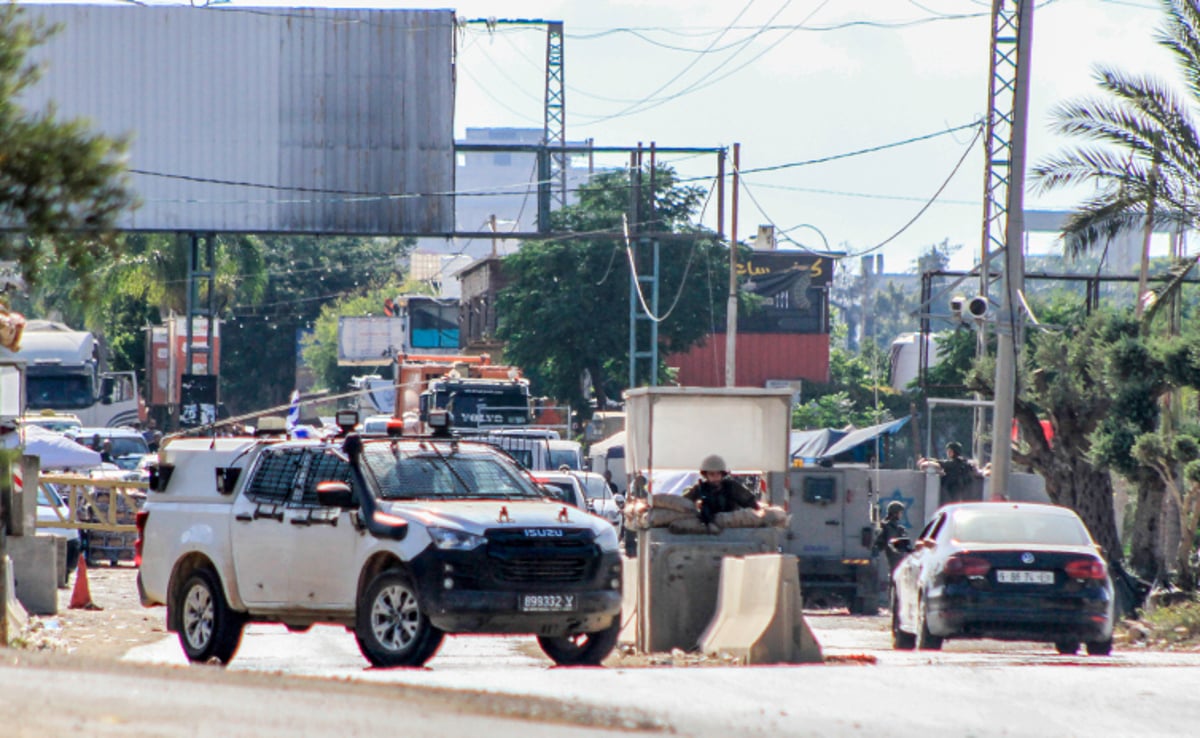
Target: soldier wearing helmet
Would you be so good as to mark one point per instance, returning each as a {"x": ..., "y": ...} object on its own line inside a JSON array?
[
  {"x": 958, "y": 474},
  {"x": 890, "y": 529},
  {"x": 717, "y": 492}
]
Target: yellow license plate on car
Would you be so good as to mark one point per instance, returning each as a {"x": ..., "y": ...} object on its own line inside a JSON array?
[{"x": 1020, "y": 576}]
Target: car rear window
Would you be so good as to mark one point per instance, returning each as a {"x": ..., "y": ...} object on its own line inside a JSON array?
[{"x": 1020, "y": 526}]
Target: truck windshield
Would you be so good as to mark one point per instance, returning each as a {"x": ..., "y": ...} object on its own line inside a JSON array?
[
  {"x": 478, "y": 407},
  {"x": 58, "y": 392},
  {"x": 422, "y": 473}
]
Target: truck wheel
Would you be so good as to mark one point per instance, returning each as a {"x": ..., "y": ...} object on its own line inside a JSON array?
[
  {"x": 208, "y": 629},
  {"x": 583, "y": 649},
  {"x": 391, "y": 629}
]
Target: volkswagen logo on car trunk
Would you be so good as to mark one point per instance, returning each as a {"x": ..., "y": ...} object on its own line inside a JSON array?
[{"x": 1026, "y": 558}]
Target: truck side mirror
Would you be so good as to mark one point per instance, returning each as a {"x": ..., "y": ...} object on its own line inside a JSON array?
[
  {"x": 107, "y": 385},
  {"x": 336, "y": 494},
  {"x": 227, "y": 477}
]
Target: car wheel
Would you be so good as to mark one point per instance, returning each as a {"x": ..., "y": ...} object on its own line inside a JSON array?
[
  {"x": 208, "y": 628},
  {"x": 1067, "y": 648},
  {"x": 391, "y": 629},
  {"x": 583, "y": 649},
  {"x": 1099, "y": 648},
  {"x": 926, "y": 641},
  {"x": 901, "y": 640}
]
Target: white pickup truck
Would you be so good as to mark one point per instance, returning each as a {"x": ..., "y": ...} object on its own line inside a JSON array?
[{"x": 401, "y": 540}]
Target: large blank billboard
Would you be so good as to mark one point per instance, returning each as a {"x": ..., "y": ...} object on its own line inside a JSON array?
[{"x": 284, "y": 120}]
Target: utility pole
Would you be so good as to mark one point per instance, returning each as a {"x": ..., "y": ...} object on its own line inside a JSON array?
[
  {"x": 731, "y": 315},
  {"x": 1011, "y": 318}
]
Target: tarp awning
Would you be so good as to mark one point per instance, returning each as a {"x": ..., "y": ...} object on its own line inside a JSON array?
[
  {"x": 612, "y": 447},
  {"x": 856, "y": 438},
  {"x": 55, "y": 450},
  {"x": 810, "y": 445}
]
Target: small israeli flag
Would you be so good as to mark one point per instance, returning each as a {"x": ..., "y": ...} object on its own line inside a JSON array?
[{"x": 293, "y": 414}]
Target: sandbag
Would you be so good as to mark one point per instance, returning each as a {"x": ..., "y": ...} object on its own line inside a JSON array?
[
  {"x": 775, "y": 517},
  {"x": 672, "y": 502},
  {"x": 661, "y": 518},
  {"x": 745, "y": 518},
  {"x": 693, "y": 525}
]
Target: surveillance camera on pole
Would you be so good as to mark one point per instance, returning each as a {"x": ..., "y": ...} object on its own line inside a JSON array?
[
  {"x": 969, "y": 308},
  {"x": 956, "y": 306},
  {"x": 977, "y": 307}
]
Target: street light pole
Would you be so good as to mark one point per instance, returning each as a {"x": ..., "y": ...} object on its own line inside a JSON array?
[
  {"x": 1011, "y": 318},
  {"x": 731, "y": 314}
]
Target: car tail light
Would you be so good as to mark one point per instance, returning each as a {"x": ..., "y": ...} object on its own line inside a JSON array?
[
  {"x": 140, "y": 520},
  {"x": 966, "y": 566},
  {"x": 1086, "y": 569}
]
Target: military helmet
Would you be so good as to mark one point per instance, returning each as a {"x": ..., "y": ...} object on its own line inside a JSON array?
[
  {"x": 713, "y": 463},
  {"x": 895, "y": 506}
]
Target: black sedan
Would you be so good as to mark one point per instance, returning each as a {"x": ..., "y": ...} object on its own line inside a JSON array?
[{"x": 1021, "y": 572}]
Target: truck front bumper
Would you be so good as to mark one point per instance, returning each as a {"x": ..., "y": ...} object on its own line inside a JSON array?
[{"x": 464, "y": 592}]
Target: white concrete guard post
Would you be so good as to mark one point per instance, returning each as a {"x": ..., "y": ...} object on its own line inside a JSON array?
[
  {"x": 759, "y": 618},
  {"x": 35, "y": 571},
  {"x": 678, "y": 579}
]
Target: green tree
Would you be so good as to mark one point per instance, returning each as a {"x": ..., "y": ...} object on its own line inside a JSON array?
[
  {"x": 61, "y": 186},
  {"x": 565, "y": 312},
  {"x": 857, "y": 393},
  {"x": 261, "y": 339},
  {"x": 321, "y": 346}
]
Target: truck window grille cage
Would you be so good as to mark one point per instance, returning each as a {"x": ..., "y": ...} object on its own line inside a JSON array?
[
  {"x": 275, "y": 476},
  {"x": 324, "y": 468}
]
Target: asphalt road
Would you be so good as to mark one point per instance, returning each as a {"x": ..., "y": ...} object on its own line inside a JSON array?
[{"x": 970, "y": 688}]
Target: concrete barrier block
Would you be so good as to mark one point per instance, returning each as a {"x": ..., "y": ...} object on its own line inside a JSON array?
[
  {"x": 759, "y": 618},
  {"x": 678, "y": 580},
  {"x": 629, "y": 602},
  {"x": 35, "y": 571},
  {"x": 17, "y": 617}
]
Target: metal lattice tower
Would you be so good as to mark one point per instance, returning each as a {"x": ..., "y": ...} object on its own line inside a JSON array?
[
  {"x": 1002, "y": 85},
  {"x": 554, "y": 132},
  {"x": 998, "y": 171}
]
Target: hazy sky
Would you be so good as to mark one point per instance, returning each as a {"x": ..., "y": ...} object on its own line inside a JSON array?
[
  {"x": 834, "y": 77},
  {"x": 798, "y": 80}
]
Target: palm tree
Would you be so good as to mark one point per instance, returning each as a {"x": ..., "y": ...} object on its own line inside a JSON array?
[{"x": 1145, "y": 158}]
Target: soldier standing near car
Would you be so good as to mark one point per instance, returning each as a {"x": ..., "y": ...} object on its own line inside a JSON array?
[
  {"x": 717, "y": 492},
  {"x": 891, "y": 528},
  {"x": 958, "y": 474}
]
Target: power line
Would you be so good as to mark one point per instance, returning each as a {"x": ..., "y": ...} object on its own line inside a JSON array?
[
  {"x": 357, "y": 195},
  {"x": 905, "y": 227},
  {"x": 708, "y": 80}
]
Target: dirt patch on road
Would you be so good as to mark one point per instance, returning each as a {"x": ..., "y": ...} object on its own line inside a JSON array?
[{"x": 120, "y": 623}]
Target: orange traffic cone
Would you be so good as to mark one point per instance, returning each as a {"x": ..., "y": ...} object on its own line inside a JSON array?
[{"x": 81, "y": 596}]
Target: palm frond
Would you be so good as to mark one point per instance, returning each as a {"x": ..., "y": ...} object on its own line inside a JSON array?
[
  {"x": 1102, "y": 167},
  {"x": 1098, "y": 221},
  {"x": 1181, "y": 36}
]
